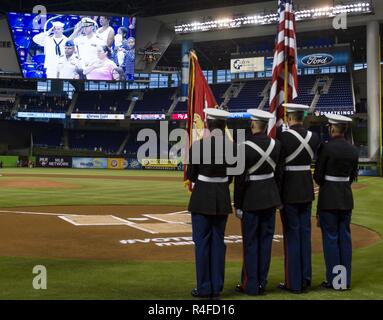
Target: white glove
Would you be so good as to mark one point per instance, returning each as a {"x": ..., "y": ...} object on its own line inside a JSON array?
[{"x": 239, "y": 213}]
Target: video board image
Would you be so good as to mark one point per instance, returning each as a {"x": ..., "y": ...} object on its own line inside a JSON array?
[{"x": 57, "y": 46}]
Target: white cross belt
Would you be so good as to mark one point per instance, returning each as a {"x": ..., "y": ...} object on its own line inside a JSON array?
[
  {"x": 337, "y": 179},
  {"x": 213, "y": 179},
  {"x": 297, "y": 168},
  {"x": 260, "y": 177}
]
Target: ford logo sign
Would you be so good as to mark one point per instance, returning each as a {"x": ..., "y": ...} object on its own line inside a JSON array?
[{"x": 317, "y": 60}]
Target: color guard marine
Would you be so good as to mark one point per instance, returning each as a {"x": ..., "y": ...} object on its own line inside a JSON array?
[
  {"x": 210, "y": 205},
  {"x": 297, "y": 191},
  {"x": 256, "y": 197},
  {"x": 336, "y": 169}
]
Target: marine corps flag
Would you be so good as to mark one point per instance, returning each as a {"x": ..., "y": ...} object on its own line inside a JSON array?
[{"x": 200, "y": 97}]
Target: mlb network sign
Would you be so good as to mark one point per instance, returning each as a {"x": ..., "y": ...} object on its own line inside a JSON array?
[{"x": 255, "y": 64}]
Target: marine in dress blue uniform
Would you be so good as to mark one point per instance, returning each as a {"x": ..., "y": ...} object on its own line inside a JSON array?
[
  {"x": 336, "y": 170},
  {"x": 297, "y": 191},
  {"x": 256, "y": 197},
  {"x": 210, "y": 205}
]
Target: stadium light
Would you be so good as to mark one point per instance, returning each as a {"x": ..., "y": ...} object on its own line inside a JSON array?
[{"x": 301, "y": 15}]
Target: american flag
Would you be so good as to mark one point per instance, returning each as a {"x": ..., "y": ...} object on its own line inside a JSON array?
[{"x": 285, "y": 51}]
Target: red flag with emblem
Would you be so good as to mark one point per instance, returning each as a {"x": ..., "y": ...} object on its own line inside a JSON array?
[{"x": 200, "y": 97}]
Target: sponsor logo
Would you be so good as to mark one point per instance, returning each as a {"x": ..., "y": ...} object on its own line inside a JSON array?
[
  {"x": 134, "y": 164},
  {"x": 317, "y": 60},
  {"x": 54, "y": 162},
  {"x": 237, "y": 64},
  {"x": 96, "y": 116},
  {"x": 114, "y": 163},
  {"x": 160, "y": 116}
]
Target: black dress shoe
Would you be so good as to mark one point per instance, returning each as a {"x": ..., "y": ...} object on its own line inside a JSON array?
[
  {"x": 262, "y": 290},
  {"x": 239, "y": 288},
  {"x": 196, "y": 294},
  {"x": 306, "y": 286},
  {"x": 282, "y": 286},
  {"x": 215, "y": 296},
  {"x": 327, "y": 285}
]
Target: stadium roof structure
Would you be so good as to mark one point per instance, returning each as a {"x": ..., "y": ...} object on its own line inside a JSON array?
[
  {"x": 215, "y": 47},
  {"x": 142, "y": 8}
]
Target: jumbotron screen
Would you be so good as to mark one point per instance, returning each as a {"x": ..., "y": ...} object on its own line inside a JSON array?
[{"x": 57, "y": 46}]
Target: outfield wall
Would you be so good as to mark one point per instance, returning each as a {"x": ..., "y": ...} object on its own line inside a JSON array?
[
  {"x": 106, "y": 163},
  {"x": 9, "y": 161},
  {"x": 115, "y": 163}
]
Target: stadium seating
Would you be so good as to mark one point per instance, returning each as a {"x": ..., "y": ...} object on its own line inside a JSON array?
[
  {"x": 339, "y": 98},
  {"x": 305, "y": 85},
  {"x": 51, "y": 138},
  {"x": 249, "y": 97},
  {"x": 115, "y": 102},
  {"x": 155, "y": 101},
  {"x": 218, "y": 91},
  {"x": 5, "y": 109},
  {"x": 43, "y": 103},
  {"x": 106, "y": 141},
  {"x": 340, "y": 95}
]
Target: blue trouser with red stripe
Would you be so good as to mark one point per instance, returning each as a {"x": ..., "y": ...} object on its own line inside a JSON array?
[
  {"x": 296, "y": 220},
  {"x": 337, "y": 246},
  {"x": 257, "y": 232},
  {"x": 210, "y": 251}
]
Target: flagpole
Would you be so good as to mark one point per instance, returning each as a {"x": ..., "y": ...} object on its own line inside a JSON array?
[
  {"x": 380, "y": 169},
  {"x": 286, "y": 87}
]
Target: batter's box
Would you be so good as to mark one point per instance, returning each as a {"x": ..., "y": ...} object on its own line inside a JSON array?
[
  {"x": 166, "y": 227},
  {"x": 93, "y": 220},
  {"x": 173, "y": 218}
]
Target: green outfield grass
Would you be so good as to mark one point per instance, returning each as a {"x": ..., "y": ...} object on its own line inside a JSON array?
[
  {"x": 96, "y": 191},
  {"x": 80, "y": 279}
]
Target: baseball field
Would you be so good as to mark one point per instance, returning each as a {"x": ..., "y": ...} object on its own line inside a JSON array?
[{"x": 104, "y": 234}]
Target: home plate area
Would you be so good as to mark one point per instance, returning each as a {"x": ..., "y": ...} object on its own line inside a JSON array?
[
  {"x": 131, "y": 233},
  {"x": 176, "y": 222}
]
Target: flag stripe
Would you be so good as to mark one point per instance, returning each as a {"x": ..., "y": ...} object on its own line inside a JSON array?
[{"x": 285, "y": 52}]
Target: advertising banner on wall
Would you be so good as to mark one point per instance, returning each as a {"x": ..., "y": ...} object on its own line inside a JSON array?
[
  {"x": 133, "y": 164},
  {"x": 42, "y": 115},
  {"x": 90, "y": 163},
  {"x": 97, "y": 116},
  {"x": 155, "y": 116},
  {"x": 53, "y": 162},
  {"x": 307, "y": 58},
  {"x": 117, "y": 163},
  {"x": 252, "y": 64},
  {"x": 179, "y": 116},
  {"x": 159, "y": 164},
  {"x": 323, "y": 59}
]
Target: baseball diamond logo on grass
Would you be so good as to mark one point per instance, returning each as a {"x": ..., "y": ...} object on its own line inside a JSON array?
[{"x": 185, "y": 241}]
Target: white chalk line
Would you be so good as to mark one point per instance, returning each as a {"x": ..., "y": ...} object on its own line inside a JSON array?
[
  {"x": 32, "y": 213},
  {"x": 164, "y": 220},
  {"x": 63, "y": 217}
]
